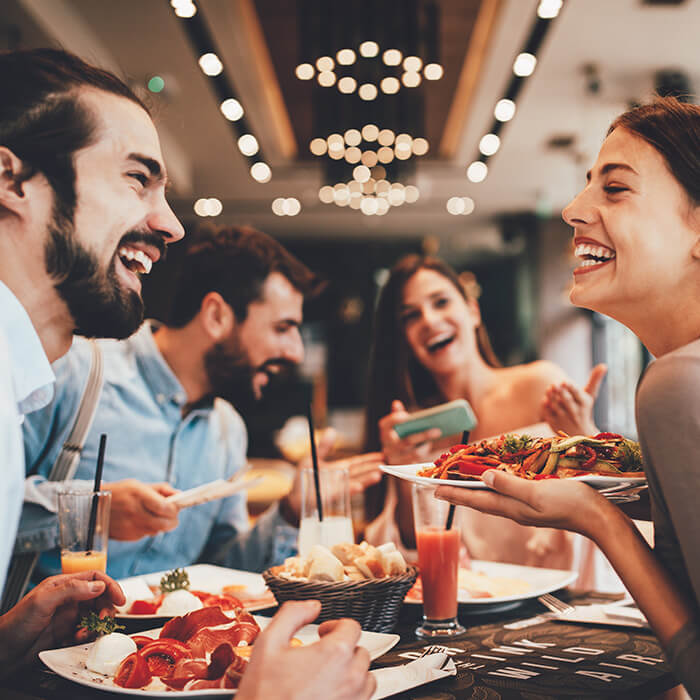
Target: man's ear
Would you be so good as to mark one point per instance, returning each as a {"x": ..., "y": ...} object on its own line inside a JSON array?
[
  {"x": 12, "y": 178},
  {"x": 217, "y": 317}
]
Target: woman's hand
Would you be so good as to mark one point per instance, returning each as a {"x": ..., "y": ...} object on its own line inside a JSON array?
[
  {"x": 560, "y": 503},
  {"x": 567, "y": 407},
  {"x": 411, "y": 449}
]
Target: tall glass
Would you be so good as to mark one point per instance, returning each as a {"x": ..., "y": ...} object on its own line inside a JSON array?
[
  {"x": 438, "y": 560},
  {"x": 75, "y": 510},
  {"x": 335, "y": 502}
]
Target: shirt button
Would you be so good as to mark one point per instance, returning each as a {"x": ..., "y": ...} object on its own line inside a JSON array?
[{"x": 160, "y": 398}]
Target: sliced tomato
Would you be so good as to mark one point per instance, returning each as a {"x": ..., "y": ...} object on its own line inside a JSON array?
[
  {"x": 141, "y": 640},
  {"x": 133, "y": 672},
  {"x": 161, "y": 655},
  {"x": 143, "y": 607}
]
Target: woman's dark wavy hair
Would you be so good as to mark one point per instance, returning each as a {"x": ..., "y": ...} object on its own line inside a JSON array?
[
  {"x": 672, "y": 127},
  {"x": 42, "y": 120},
  {"x": 394, "y": 372}
]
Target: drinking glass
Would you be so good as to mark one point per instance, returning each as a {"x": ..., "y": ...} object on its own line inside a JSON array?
[
  {"x": 335, "y": 501},
  {"x": 438, "y": 561},
  {"x": 74, "y": 512}
]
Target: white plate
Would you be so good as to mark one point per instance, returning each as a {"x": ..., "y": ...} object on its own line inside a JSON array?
[
  {"x": 541, "y": 581},
  {"x": 203, "y": 577},
  {"x": 70, "y": 663},
  {"x": 409, "y": 472}
]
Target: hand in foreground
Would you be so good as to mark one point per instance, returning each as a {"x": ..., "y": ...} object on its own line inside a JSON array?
[
  {"x": 409, "y": 450},
  {"x": 48, "y": 615},
  {"x": 560, "y": 503},
  {"x": 139, "y": 509},
  {"x": 334, "y": 668},
  {"x": 567, "y": 407}
]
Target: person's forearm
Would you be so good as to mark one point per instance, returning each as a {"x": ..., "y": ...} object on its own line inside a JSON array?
[{"x": 664, "y": 606}]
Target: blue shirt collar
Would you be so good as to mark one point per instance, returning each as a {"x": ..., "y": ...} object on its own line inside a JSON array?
[
  {"x": 32, "y": 376},
  {"x": 162, "y": 381}
]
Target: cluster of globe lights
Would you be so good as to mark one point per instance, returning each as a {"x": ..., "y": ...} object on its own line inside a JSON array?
[
  {"x": 389, "y": 146},
  {"x": 413, "y": 71}
]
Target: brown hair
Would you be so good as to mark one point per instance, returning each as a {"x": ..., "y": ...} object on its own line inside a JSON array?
[
  {"x": 394, "y": 372},
  {"x": 672, "y": 127}
]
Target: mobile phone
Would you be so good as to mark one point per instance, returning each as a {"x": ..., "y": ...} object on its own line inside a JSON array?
[{"x": 452, "y": 418}]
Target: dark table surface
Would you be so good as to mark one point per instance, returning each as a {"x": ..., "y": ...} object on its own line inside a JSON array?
[{"x": 543, "y": 661}]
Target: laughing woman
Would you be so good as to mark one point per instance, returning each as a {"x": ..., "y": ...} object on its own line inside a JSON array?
[
  {"x": 429, "y": 347},
  {"x": 641, "y": 208}
]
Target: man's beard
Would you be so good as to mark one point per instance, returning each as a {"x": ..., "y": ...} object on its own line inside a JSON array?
[
  {"x": 231, "y": 373},
  {"x": 97, "y": 302}
]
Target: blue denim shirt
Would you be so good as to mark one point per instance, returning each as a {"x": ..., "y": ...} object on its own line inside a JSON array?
[{"x": 140, "y": 410}]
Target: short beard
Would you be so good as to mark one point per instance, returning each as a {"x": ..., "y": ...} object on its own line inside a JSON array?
[
  {"x": 230, "y": 373},
  {"x": 99, "y": 306}
]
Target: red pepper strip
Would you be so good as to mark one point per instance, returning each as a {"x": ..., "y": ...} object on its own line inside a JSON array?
[
  {"x": 608, "y": 436},
  {"x": 141, "y": 640},
  {"x": 540, "y": 477},
  {"x": 591, "y": 456},
  {"x": 133, "y": 672},
  {"x": 473, "y": 468},
  {"x": 162, "y": 654}
]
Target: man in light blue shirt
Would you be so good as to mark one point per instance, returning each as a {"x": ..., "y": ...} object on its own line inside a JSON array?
[{"x": 238, "y": 310}]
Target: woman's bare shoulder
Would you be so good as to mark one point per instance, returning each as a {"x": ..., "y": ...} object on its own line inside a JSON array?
[{"x": 540, "y": 373}]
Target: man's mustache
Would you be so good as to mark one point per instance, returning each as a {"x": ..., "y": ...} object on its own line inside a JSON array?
[
  {"x": 276, "y": 365},
  {"x": 147, "y": 237}
]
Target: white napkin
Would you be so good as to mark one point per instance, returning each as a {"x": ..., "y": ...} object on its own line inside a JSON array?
[{"x": 396, "y": 679}]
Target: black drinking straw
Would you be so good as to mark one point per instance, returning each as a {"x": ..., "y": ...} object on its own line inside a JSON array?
[
  {"x": 451, "y": 511},
  {"x": 96, "y": 490},
  {"x": 314, "y": 460}
]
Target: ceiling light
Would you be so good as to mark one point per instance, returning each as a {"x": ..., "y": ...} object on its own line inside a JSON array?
[
  {"x": 185, "y": 9},
  {"x": 549, "y": 9},
  {"x": 397, "y": 196},
  {"x": 231, "y": 109},
  {"x": 325, "y": 194},
  {"x": 318, "y": 147},
  {"x": 336, "y": 154},
  {"x": 367, "y": 91},
  {"x": 433, "y": 71},
  {"x": 347, "y": 85},
  {"x": 524, "y": 64},
  {"x": 411, "y": 80},
  {"x": 468, "y": 205},
  {"x": 200, "y": 207},
  {"x": 368, "y": 187},
  {"x": 419, "y": 146},
  {"x": 353, "y": 155},
  {"x": 504, "y": 110},
  {"x": 210, "y": 64},
  {"x": 370, "y": 158},
  {"x": 335, "y": 141},
  {"x": 361, "y": 173},
  {"x": 346, "y": 57},
  {"x": 383, "y": 187},
  {"x": 402, "y": 153},
  {"x": 390, "y": 85},
  {"x": 278, "y": 206},
  {"x": 304, "y": 71},
  {"x": 385, "y": 154},
  {"x": 260, "y": 172},
  {"x": 370, "y": 132},
  {"x": 355, "y": 202},
  {"x": 382, "y": 206},
  {"x": 411, "y": 194},
  {"x": 369, "y": 206},
  {"x": 369, "y": 49},
  {"x": 213, "y": 206},
  {"x": 355, "y": 188},
  {"x": 455, "y": 205},
  {"x": 412, "y": 64},
  {"x": 326, "y": 78},
  {"x": 325, "y": 63},
  {"x": 489, "y": 144},
  {"x": 292, "y": 206},
  {"x": 353, "y": 137},
  {"x": 378, "y": 172},
  {"x": 392, "y": 57},
  {"x": 248, "y": 145},
  {"x": 477, "y": 171},
  {"x": 386, "y": 137}
]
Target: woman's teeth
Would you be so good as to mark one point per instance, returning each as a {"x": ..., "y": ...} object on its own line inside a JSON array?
[
  {"x": 439, "y": 343},
  {"x": 135, "y": 260},
  {"x": 592, "y": 254}
]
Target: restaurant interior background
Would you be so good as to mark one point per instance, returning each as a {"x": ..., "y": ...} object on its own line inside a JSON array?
[{"x": 261, "y": 121}]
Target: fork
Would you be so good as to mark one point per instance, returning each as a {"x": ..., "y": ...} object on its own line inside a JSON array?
[
  {"x": 557, "y": 606},
  {"x": 433, "y": 649}
]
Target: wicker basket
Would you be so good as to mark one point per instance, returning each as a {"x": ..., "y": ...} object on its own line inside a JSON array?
[{"x": 374, "y": 603}]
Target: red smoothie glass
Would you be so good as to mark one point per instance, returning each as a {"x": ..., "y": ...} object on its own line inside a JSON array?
[{"x": 438, "y": 560}]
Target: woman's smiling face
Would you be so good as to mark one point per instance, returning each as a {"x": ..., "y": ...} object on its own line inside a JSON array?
[
  {"x": 438, "y": 322},
  {"x": 634, "y": 231}
]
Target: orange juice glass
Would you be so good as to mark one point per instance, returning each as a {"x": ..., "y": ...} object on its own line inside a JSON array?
[
  {"x": 76, "y": 509},
  {"x": 438, "y": 561}
]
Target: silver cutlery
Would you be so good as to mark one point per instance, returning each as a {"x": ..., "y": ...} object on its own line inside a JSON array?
[{"x": 559, "y": 607}]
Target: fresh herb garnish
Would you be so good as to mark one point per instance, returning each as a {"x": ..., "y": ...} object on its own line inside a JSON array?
[
  {"x": 515, "y": 443},
  {"x": 92, "y": 622},
  {"x": 175, "y": 580},
  {"x": 630, "y": 455}
]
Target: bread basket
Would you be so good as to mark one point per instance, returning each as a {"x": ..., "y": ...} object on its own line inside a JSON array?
[{"x": 375, "y": 603}]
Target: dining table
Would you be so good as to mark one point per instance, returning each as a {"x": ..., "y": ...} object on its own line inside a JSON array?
[{"x": 506, "y": 653}]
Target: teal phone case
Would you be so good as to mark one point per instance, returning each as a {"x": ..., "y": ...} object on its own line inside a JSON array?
[{"x": 456, "y": 417}]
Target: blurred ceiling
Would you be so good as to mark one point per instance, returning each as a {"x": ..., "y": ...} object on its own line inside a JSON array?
[{"x": 597, "y": 57}]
